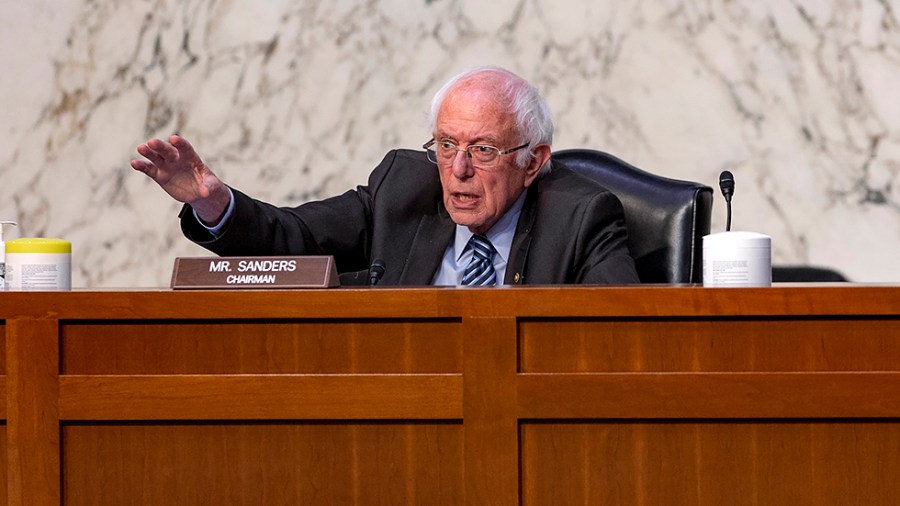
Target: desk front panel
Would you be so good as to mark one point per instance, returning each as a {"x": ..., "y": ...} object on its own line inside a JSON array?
[{"x": 575, "y": 395}]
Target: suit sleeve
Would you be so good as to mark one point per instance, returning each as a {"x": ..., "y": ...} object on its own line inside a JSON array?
[{"x": 340, "y": 226}]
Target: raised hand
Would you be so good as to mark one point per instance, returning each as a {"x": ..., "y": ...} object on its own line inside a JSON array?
[{"x": 178, "y": 170}]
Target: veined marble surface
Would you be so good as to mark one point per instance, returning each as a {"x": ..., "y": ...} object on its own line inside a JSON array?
[{"x": 296, "y": 100}]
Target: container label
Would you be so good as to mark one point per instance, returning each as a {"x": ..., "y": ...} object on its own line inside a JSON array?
[{"x": 33, "y": 271}]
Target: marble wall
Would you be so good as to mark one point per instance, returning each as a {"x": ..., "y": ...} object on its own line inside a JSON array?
[{"x": 294, "y": 100}]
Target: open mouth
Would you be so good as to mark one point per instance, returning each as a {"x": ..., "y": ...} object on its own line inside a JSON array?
[{"x": 464, "y": 199}]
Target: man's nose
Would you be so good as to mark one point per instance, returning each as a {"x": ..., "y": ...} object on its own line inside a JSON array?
[{"x": 462, "y": 165}]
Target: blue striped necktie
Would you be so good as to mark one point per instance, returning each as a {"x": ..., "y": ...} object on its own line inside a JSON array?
[{"x": 480, "y": 271}]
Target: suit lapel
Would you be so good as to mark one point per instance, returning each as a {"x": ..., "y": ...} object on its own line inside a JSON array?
[
  {"x": 428, "y": 246},
  {"x": 518, "y": 253}
]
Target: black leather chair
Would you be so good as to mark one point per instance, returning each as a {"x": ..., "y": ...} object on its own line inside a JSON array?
[
  {"x": 805, "y": 274},
  {"x": 666, "y": 218}
]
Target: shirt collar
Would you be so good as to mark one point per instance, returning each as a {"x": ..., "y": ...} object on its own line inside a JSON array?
[{"x": 500, "y": 235}]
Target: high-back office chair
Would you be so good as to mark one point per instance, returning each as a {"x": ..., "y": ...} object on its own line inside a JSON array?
[
  {"x": 806, "y": 274},
  {"x": 667, "y": 218}
]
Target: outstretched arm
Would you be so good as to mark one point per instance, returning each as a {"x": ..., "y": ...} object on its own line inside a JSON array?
[{"x": 178, "y": 170}]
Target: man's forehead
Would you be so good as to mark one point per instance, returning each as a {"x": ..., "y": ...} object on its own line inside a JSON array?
[{"x": 475, "y": 110}]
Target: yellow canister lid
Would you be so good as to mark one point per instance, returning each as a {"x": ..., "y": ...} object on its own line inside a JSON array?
[{"x": 38, "y": 245}]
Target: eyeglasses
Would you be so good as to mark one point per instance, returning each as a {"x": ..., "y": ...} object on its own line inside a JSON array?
[{"x": 482, "y": 155}]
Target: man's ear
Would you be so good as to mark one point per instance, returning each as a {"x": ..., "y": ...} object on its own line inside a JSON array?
[{"x": 541, "y": 155}]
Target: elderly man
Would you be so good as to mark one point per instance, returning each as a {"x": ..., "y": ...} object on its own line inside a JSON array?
[{"x": 481, "y": 206}]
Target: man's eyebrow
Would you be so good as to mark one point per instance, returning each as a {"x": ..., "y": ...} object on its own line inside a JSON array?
[{"x": 482, "y": 139}]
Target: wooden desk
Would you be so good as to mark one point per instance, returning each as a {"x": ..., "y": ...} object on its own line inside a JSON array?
[{"x": 536, "y": 396}]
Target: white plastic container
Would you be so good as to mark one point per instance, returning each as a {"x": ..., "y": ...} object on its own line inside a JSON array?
[
  {"x": 736, "y": 259},
  {"x": 39, "y": 264}
]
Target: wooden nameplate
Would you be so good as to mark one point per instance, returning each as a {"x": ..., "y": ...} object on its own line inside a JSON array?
[{"x": 238, "y": 273}]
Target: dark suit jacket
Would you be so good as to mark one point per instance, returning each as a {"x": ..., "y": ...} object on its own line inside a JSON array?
[{"x": 571, "y": 230}]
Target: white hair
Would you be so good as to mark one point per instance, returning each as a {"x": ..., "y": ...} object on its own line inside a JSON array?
[{"x": 529, "y": 109}]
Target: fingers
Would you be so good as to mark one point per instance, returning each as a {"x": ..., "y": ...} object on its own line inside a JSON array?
[
  {"x": 163, "y": 150},
  {"x": 141, "y": 166},
  {"x": 173, "y": 164},
  {"x": 148, "y": 169},
  {"x": 185, "y": 150},
  {"x": 158, "y": 152},
  {"x": 178, "y": 141},
  {"x": 149, "y": 154}
]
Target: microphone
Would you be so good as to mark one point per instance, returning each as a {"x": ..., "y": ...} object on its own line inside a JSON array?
[
  {"x": 376, "y": 271},
  {"x": 726, "y": 184}
]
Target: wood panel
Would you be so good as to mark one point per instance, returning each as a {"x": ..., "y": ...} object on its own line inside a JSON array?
[
  {"x": 275, "y": 463},
  {"x": 636, "y": 301},
  {"x": 261, "y": 397},
  {"x": 711, "y": 463},
  {"x": 3, "y": 462},
  {"x": 709, "y": 395},
  {"x": 3, "y": 381},
  {"x": 3, "y": 451},
  {"x": 713, "y": 345},
  {"x": 32, "y": 421},
  {"x": 491, "y": 439},
  {"x": 270, "y": 347},
  {"x": 2, "y": 347}
]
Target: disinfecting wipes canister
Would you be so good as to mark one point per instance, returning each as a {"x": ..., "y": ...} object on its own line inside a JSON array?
[
  {"x": 38, "y": 264},
  {"x": 737, "y": 259}
]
